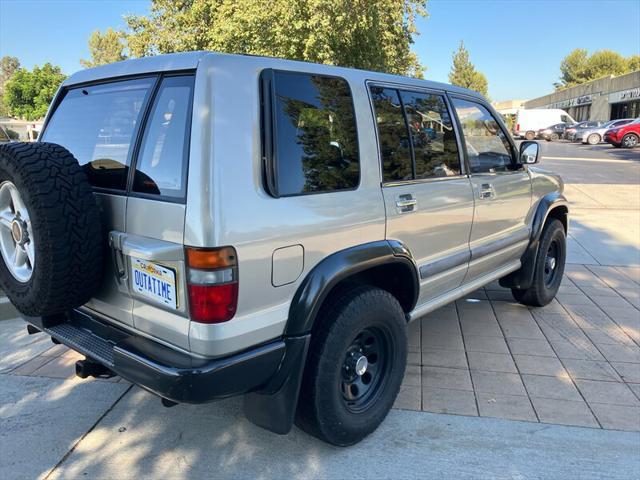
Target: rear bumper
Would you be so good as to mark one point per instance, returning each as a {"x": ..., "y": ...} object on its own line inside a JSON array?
[{"x": 167, "y": 372}]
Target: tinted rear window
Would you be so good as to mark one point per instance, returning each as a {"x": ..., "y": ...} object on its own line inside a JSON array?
[{"x": 97, "y": 124}]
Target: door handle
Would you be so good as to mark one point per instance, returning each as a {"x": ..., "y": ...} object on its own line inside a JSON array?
[
  {"x": 406, "y": 203},
  {"x": 487, "y": 191}
]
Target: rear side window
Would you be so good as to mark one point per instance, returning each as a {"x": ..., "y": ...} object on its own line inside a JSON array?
[
  {"x": 393, "y": 135},
  {"x": 97, "y": 124},
  {"x": 161, "y": 164},
  {"x": 415, "y": 134},
  {"x": 313, "y": 144}
]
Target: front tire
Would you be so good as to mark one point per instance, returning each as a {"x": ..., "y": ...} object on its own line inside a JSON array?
[
  {"x": 548, "y": 268},
  {"x": 530, "y": 135},
  {"x": 355, "y": 366},
  {"x": 593, "y": 139}
]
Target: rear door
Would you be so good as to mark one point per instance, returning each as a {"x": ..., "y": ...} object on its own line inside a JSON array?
[
  {"x": 99, "y": 123},
  {"x": 152, "y": 247},
  {"x": 428, "y": 197}
]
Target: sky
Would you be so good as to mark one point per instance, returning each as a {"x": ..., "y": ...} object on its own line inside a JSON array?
[{"x": 517, "y": 44}]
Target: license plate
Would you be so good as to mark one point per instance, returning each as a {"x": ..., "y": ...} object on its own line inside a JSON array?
[{"x": 154, "y": 281}]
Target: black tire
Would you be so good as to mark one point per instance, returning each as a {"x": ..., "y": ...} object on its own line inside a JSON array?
[
  {"x": 593, "y": 139},
  {"x": 530, "y": 135},
  {"x": 546, "y": 278},
  {"x": 630, "y": 140},
  {"x": 65, "y": 222},
  {"x": 324, "y": 410}
]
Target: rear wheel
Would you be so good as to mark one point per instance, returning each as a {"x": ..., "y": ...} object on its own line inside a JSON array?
[
  {"x": 548, "y": 268},
  {"x": 355, "y": 366},
  {"x": 554, "y": 137},
  {"x": 530, "y": 135},
  {"x": 630, "y": 140},
  {"x": 593, "y": 139}
]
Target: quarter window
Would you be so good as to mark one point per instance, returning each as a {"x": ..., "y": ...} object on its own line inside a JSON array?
[
  {"x": 487, "y": 147},
  {"x": 315, "y": 144},
  {"x": 97, "y": 124},
  {"x": 162, "y": 160}
]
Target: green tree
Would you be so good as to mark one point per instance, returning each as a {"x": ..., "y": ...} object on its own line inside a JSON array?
[
  {"x": 8, "y": 65},
  {"x": 464, "y": 74},
  {"x": 28, "y": 93},
  {"x": 580, "y": 67},
  {"x": 107, "y": 47},
  {"x": 369, "y": 34},
  {"x": 573, "y": 68}
]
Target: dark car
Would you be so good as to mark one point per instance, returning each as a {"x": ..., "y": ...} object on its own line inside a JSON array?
[{"x": 554, "y": 132}]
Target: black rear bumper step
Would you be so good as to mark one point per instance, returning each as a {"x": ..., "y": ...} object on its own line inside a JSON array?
[{"x": 167, "y": 372}]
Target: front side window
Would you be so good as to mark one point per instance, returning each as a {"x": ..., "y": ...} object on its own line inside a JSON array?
[
  {"x": 97, "y": 124},
  {"x": 315, "y": 135},
  {"x": 487, "y": 147},
  {"x": 161, "y": 163},
  {"x": 434, "y": 141}
]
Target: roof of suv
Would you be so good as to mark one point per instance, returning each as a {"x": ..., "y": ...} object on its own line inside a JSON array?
[{"x": 190, "y": 61}]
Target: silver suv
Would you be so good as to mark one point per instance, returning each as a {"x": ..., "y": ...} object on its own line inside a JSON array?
[{"x": 207, "y": 225}]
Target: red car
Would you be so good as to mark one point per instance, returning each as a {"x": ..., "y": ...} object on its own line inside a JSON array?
[{"x": 627, "y": 136}]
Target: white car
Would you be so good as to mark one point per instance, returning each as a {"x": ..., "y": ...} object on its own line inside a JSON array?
[{"x": 528, "y": 122}]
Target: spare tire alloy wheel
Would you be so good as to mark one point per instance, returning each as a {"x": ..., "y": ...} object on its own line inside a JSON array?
[
  {"x": 50, "y": 232},
  {"x": 16, "y": 234}
]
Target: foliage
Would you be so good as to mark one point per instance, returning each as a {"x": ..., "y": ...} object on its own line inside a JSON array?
[
  {"x": 8, "y": 65},
  {"x": 368, "y": 34},
  {"x": 28, "y": 93},
  {"x": 107, "y": 47},
  {"x": 464, "y": 74},
  {"x": 580, "y": 67}
]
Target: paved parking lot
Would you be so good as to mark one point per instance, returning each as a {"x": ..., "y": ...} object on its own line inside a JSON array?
[{"x": 493, "y": 389}]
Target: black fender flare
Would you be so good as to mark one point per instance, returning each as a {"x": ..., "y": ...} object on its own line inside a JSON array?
[
  {"x": 339, "y": 266},
  {"x": 274, "y": 405},
  {"x": 523, "y": 277}
]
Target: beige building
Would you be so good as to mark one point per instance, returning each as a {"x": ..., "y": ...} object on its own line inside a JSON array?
[
  {"x": 508, "y": 107},
  {"x": 606, "y": 98}
]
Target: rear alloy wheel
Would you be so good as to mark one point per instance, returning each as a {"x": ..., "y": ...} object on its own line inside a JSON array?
[
  {"x": 630, "y": 140},
  {"x": 593, "y": 139},
  {"x": 548, "y": 269},
  {"x": 355, "y": 365},
  {"x": 554, "y": 137},
  {"x": 530, "y": 135}
]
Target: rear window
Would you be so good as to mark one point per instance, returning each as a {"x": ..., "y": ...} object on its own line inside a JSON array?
[{"x": 97, "y": 124}]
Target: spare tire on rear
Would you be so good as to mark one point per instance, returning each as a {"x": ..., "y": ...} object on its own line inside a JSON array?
[{"x": 50, "y": 231}]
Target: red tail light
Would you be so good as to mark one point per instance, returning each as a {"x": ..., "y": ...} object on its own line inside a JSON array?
[
  {"x": 213, "y": 303},
  {"x": 212, "y": 284},
  {"x": 517, "y": 127}
]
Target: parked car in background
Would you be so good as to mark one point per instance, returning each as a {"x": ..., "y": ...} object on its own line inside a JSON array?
[
  {"x": 528, "y": 122},
  {"x": 627, "y": 136},
  {"x": 570, "y": 132},
  {"x": 594, "y": 136},
  {"x": 554, "y": 132}
]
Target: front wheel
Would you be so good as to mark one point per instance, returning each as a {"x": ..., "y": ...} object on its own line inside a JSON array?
[
  {"x": 554, "y": 137},
  {"x": 548, "y": 268},
  {"x": 593, "y": 139},
  {"x": 630, "y": 140},
  {"x": 355, "y": 366},
  {"x": 530, "y": 135}
]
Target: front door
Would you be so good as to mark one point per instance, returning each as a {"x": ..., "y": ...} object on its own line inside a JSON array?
[
  {"x": 428, "y": 198},
  {"x": 98, "y": 124},
  {"x": 501, "y": 188}
]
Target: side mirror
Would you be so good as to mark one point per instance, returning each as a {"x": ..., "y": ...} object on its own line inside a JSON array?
[{"x": 529, "y": 152}]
